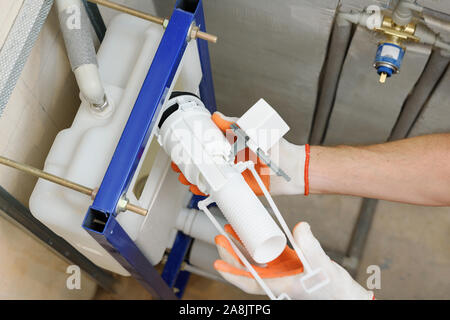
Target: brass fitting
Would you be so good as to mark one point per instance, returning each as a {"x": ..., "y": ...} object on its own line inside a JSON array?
[{"x": 397, "y": 34}]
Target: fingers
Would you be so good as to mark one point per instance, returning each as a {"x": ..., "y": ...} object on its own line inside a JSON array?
[
  {"x": 175, "y": 167},
  {"x": 183, "y": 180},
  {"x": 226, "y": 252},
  {"x": 251, "y": 181},
  {"x": 223, "y": 122},
  {"x": 309, "y": 245},
  {"x": 239, "y": 278},
  {"x": 193, "y": 188}
]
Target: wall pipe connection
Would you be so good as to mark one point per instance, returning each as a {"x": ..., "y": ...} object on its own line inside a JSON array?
[
  {"x": 415, "y": 102},
  {"x": 401, "y": 16},
  {"x": 403, "y": 12},
  {"x": 75, "y": 27},
  {"x": 340, "y": 39}
]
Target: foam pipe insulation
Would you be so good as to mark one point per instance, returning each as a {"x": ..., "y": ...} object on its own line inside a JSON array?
[
  {"x": 76, "y": 31},
  {"x": 437, "y": 25},
  {"x": 340, "y": 39},
  {"x": 414, "y": 103}
]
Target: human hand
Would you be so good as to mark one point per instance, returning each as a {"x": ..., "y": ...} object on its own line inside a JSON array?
[
  {"x": 293, "y": 159},
  {"x": 283, "y": 275}
]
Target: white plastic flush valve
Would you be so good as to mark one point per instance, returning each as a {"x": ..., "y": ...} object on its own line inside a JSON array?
[
  {"x": 204, "y": 156},
  {"x": 202, "y": 153}
]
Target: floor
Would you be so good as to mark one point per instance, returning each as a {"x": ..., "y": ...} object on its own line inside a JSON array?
[{"x": 409, "y": 243}]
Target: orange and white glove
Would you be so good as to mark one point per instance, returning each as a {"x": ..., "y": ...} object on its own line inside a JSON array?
[
  {"x": 291, "y": 158},
  {"x": 283, "y": 274}
]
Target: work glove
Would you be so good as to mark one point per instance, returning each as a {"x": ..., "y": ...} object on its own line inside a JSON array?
[
  {"x": 283, "y": 274},
  {"x": 292, "y": 159}
]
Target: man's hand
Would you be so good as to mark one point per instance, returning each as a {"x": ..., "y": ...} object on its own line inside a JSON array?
[
  {"x": 283, "y": 274},
  {"x": 293, "y": 159}
]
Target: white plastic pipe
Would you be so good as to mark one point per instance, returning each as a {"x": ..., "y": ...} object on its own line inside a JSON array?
[
  {"x": 368, "y": 20},
  {"x": 91, "y": 87},
  {"x": 403, "y": 12},
  {"x": 196, "y": 224},
  {"x": 203, "y": 154},
  {"x": 203, "y": 255}
]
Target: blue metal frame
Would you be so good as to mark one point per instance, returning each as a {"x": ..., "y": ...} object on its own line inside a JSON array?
[
  {"x": 176, "y": 258},
  {"x": 172, "y": 274},
  {"x": 134, "y": 138}
]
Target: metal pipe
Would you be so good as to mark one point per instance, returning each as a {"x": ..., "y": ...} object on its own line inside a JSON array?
[
  {"x": 136, "y": 13},
  {"x": 423, "y": 89},
  {"x": 340, "y": 39},
  {"x": 63, "y": 182},
  {"x": 195, "y": 32}
]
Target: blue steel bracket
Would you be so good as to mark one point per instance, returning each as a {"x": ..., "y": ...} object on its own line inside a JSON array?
[
  {"x": 176, "y": 258},
  {"x": 100, "y": 220},
  {"x": 172, "y": 273}
]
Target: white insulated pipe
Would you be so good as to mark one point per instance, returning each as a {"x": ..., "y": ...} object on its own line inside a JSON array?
[
  {"x": 75, "y": 27},
  {"x": 202, "y": 153},
  {"x": 368, "y": 20},
  {"x": 403, "y": 12}
]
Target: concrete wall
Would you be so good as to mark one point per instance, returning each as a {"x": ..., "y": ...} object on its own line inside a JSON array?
[
  {"x": 44, "y": 102},
  {"x": 269, "y": 49}
]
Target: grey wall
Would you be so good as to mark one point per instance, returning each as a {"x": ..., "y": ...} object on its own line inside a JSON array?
[
  {"x": 269, "y": 49},
  {"x": 276, "y": 50},
  {"x": 436, "y": 114},
  {"x": 365, "y": 110}
]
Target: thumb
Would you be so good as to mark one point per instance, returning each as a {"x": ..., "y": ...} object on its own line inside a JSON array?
[
  {"x": 223, "y": 122},
  {"x": 309, "y": 245}
]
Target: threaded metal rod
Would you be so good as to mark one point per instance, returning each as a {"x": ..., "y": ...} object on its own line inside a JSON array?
[
  {"x": 62, "y": 182},
  {"x": 149, "y": 17}
]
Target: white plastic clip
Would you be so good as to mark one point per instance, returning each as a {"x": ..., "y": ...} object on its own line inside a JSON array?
[{"x": 313, "y": 279}]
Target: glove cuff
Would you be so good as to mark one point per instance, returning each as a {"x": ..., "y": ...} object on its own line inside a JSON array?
[
  {"x": 294, "y": 160},
  {"x": 306, "y": 173}
]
